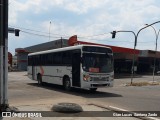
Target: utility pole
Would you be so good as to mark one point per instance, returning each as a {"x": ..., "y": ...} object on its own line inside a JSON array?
[
  {"x": 3, "y": 54},
  {"x": 135, "y": 43},
  {"x": 155, "y": 57},
  {"x": 50, "y": 30},
  {"x": 61, "y": 42}
]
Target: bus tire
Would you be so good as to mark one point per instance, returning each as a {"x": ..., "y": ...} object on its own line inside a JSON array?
[
  {"x": 39, "y": 78},
  {"x": 67, "y": 84},
  {"x": 93, "y": 89}
]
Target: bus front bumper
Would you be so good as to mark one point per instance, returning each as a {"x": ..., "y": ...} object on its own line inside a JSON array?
[
  {"x": 97, "y": 85},
  {"x": 100, "y": 85}
]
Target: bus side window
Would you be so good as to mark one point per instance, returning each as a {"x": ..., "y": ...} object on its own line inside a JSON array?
[
  {"x": 38, "y": 60},
  {"x": 33, "y": 60},
  {"x": 57, "y": 58},
  {"x": 66, "y": 58},
  {"x": 30, "y": 60},
  {"x": 49, "y": 60}
]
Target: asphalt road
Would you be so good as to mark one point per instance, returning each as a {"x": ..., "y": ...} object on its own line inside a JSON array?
[{"x": 22, "y": 90}]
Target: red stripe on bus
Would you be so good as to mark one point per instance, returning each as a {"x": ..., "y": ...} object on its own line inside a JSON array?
[{"x": 42, "y": 70}]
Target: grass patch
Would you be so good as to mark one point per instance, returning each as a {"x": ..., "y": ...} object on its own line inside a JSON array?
[{"x": 143, "y": 84}]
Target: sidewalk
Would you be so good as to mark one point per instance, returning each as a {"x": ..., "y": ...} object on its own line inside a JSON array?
[{"x": 90, "y": 111}]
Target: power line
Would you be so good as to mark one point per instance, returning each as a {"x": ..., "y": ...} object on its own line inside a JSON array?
[
  {"x": 38, "y": 31},
  {"x": 60, "y": 34},
  {"x": 45, "y": 34},
  {"x": 116, "y": 41},
  {"x": 86, "y": 37},
  {"x": 38, "y": 34},
  {"x": 93, "y": 35}
]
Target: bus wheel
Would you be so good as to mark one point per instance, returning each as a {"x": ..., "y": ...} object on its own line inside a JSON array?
[
  {"x": 39, "y": 78},
  {"x": 93, "y": 89},
  {"x": 67, "y": 84}
]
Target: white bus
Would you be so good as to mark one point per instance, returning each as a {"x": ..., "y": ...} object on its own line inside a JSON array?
[{"x": 81, "y": 66}]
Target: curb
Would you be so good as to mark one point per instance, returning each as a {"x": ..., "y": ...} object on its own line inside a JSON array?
[{"x": 112, "y": 108}]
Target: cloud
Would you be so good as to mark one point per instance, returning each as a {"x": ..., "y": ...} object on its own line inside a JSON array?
[
  {"x": 85, "y": 17},
  {"x": 39, "y": 6},
  {"x": 83, "y": 6},
  {"x": 16, "y": 7}
]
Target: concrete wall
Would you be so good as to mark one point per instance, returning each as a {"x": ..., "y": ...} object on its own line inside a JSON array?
[
  {"x": 22, "y": 53},
  {"x": 22, "y": 61}
]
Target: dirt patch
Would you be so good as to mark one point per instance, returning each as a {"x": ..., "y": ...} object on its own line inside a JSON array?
[{"x": 143, "y": 84}]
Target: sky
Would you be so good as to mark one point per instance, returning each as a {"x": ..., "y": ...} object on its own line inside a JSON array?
[{"x": 90, "y": 20}]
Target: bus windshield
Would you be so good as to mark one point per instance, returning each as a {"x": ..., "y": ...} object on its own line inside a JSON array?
[{"x": 97, "y": 63}]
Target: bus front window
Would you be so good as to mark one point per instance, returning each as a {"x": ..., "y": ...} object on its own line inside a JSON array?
[{"x": 98, "y": 63}]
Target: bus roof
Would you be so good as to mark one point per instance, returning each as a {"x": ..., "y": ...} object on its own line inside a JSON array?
[{"x": 64, "y": 49}]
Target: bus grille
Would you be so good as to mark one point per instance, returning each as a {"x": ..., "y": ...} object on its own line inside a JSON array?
[{"x": 99, "y": 79}]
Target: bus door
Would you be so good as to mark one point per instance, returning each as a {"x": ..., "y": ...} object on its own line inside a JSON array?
[
  {"x": 33, "y": 72},
  {"x": 76, "y": 69}
]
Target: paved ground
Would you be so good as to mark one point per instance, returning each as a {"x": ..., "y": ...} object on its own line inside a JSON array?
[
  {"x": 132, "y": 97},
  {"x": 25, "y": 94}
]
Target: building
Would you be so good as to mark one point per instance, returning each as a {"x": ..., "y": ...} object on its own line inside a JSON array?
[
  {"x": 146, "y": 61},
  {"x": 14, "y": 62},
  {"x": 9, "y": 61},
  {"x": 22, "y": 53},
  {"x": 123, "y": 57}
]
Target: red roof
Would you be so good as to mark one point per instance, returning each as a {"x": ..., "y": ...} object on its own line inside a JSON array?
[{"x": 115, "y": 49}]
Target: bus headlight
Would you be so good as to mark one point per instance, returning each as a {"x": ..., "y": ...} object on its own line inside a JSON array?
[{"x": 86, "y": 77}]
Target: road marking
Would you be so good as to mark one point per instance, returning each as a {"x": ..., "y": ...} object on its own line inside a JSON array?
[
  {"x": 118, "y": 108},
  {"x": 153, "y": 118}
]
